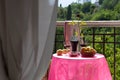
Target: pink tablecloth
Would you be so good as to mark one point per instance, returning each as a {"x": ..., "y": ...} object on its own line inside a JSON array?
[{"x": 79, "y": 68}]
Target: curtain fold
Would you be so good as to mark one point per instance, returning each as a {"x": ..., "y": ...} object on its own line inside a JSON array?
[
  {"x": 27, "y": 31},
  {"x": 3, "y": 71}
]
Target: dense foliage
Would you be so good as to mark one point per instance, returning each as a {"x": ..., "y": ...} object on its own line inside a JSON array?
[
  {"x": 106, "y": 10},
  {"x": 69, "y": 13}
]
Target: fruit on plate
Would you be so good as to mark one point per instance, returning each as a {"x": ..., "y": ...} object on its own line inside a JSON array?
[
  {"x": 68, "y": 50},
  {"x": 88, "y": 51},
  {"x": 59, "y": 52},
  {"x": 65, "y": 51}
]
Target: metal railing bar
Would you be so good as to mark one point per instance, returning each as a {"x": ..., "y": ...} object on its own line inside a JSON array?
[{"x": 114, "y": 54}]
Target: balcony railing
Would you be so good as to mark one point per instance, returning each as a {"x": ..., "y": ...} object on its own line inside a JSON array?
[{"x": 104, "y": 36}]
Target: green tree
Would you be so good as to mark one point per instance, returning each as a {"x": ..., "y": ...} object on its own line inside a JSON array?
[
  {"x": 69, "y": 13},
  {"x": 105, "y": 15},
  {"x": 117, "y": 9},
  {"x": 101, "y": 1},
  {"x": 61, "y": 14},
  {"x": 92, "y": 8},
  {"x": 60, "y": 5},
  {"x": 76, "y": 8},
  {"x": 86, "y": 7},
  {"x": 109, "y": 4}
]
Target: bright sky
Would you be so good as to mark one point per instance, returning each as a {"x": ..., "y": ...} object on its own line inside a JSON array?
[{"x": 67, "y": 2}]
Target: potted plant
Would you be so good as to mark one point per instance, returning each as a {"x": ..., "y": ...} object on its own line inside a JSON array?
[
  {"x": 77, "y": 39},
  {"x": 77, "y": 34}
]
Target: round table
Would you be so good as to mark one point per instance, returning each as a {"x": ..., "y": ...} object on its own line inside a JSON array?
[{"x": 79, "y": 68}]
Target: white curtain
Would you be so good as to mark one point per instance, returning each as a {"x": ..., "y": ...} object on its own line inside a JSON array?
[{"x": 27, "y": 31}]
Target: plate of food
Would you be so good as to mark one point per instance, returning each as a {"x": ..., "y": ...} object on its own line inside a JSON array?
[
  {"x": 61, "y": 52},
  {"x": 87, "y": 51}
]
